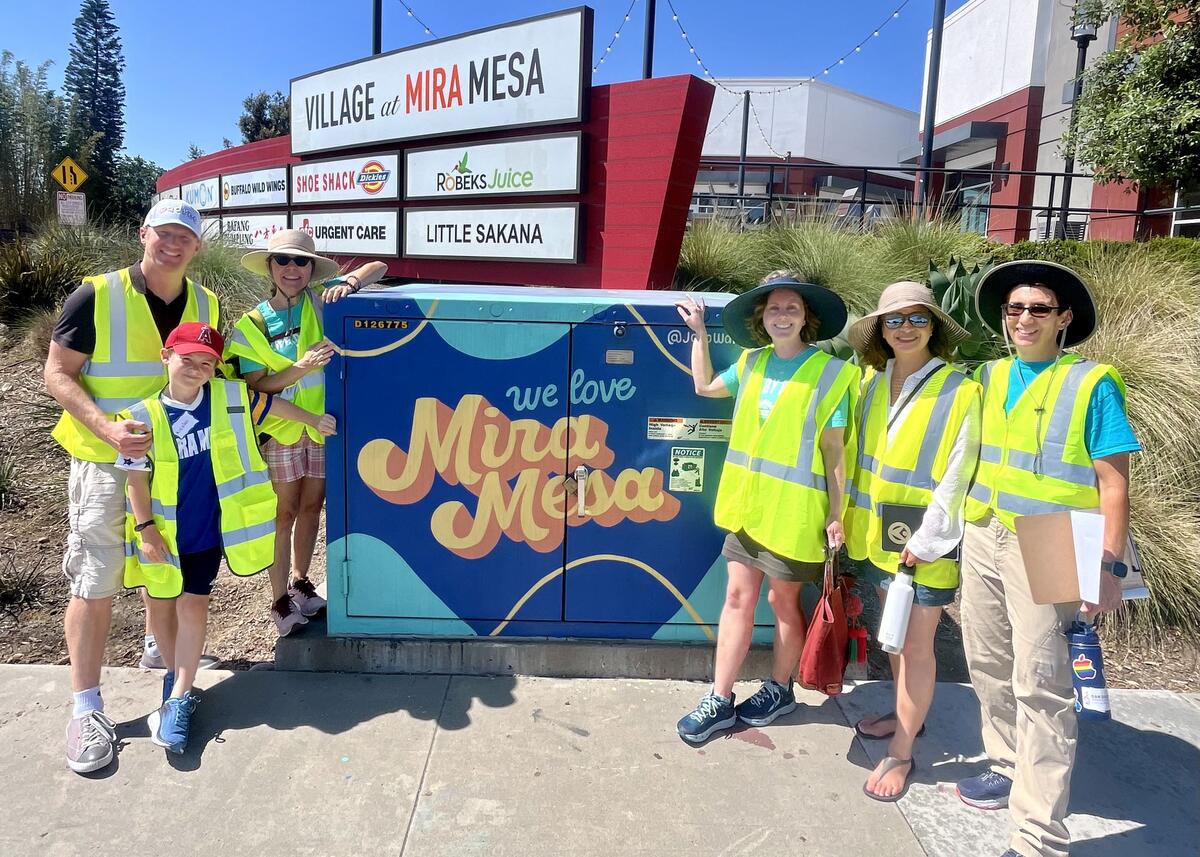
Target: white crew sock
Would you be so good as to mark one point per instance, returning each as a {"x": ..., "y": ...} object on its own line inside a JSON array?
[{"x": 87, "y": 701}]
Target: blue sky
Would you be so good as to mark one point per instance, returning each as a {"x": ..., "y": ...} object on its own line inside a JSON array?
[{"x": 188, "y": 66}]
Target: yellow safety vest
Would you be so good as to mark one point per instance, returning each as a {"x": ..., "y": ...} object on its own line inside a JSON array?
[
  {"x": 125, "y": 365},
  {"x": 907, "y": 470},
  {"x": 773, "y": 482},
  {"x": 249, "y": 340},
  {"x": 1017, "y": 474},
  {"x": 244, "y": 492}
]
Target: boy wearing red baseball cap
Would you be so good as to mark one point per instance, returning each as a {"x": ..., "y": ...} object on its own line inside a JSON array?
[{"x": 201, "y": 493}]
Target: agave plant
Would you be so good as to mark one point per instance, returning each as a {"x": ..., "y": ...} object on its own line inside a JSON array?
[{"x": 954, "y": 289}]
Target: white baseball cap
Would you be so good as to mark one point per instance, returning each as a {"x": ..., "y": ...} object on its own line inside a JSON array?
[{"x": 173, "y": 211}]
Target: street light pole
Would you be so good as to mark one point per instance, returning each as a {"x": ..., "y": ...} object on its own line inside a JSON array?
[
  {"x": 648, "y": 45},
  {"x": 1082, "y": 35},
  {"x": 377, "y": 28},
  {"x": 931, "y": 92}
]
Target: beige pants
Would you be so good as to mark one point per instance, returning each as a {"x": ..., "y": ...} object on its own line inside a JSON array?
[{"x": 1022, "y": 675}]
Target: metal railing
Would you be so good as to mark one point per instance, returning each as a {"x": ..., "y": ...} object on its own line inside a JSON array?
[{"x": 873, "y": 193}]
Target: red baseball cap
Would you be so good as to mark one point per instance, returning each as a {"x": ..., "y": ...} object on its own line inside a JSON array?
[{"x": 195, "y": 336}]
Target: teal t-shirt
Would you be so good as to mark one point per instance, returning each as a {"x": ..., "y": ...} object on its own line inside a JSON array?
[
  {"x": 283, "y": 330},
  {"x": 778, "y": 373},
  {"x": 1106, "y": 430}
]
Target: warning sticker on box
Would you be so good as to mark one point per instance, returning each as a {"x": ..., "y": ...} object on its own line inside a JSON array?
[
  {"x": 687, "y": 428},
  {"x": 687, "y": 470}
]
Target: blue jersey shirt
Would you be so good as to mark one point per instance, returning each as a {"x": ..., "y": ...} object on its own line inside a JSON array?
[
  {"x": 1106, "y": 431},
  {"x": 777, "y": 374},
  {"x": 198, "y": 514}
]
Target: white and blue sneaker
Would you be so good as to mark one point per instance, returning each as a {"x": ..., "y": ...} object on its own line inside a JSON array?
[
  {"x": 769, "y": 701},
  {"x": 169, "y": 725},
  {"x": 168, "y": 685},
  {"x": 711, "y": 715}
]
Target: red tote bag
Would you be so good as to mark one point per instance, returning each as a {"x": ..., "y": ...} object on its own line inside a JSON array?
[{"x": 823, "y": 660}]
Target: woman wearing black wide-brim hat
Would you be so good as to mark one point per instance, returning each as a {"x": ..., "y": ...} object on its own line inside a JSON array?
[
  {"x": 781, "y": 492},
  {"x": 1055, "y": 438}
]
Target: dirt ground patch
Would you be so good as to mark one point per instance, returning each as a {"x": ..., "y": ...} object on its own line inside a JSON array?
[{"x": 33, "y": 517}]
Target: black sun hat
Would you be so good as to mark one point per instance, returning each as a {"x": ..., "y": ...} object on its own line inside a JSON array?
[
  {"x": 1072, "y": 292},
  {"x": 738, "y": 315}
]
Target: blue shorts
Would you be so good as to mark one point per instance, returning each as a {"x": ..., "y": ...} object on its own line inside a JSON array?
[
  {"x": 923, "y": 596},
  {"x": 200, "y": 570}
]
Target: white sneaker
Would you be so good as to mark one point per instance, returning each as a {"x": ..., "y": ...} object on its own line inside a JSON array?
[
  {"x": 305, "y": 596},
  {"x": 287, "y": 616}
]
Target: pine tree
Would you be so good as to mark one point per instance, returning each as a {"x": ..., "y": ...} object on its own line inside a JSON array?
[{"x": 93, "y": 83}]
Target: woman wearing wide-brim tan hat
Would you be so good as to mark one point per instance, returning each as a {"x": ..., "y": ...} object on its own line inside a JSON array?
[
  {"x": 918, "y": 426},
  {"x": 282, "y": 349}
]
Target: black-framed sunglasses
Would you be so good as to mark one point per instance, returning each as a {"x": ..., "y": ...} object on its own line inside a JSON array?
[
  {"x": 284, "y": 261},
  {"x": 895, "y": 320},
  {"x": 1036, "y": 310}
]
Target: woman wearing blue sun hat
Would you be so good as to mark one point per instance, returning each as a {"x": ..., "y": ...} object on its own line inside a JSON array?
[{"x": 781, "y": 497}]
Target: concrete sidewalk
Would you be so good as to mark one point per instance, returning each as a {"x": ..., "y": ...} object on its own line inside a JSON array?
[{"x": 332, "y": 764}]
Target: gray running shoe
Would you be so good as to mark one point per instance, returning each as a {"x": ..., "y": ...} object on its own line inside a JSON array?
[
  {"x": 153, "y": 660},
  {"x": 90, "y": 741}
]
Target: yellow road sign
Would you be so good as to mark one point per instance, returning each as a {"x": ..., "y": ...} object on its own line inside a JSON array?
[{"x": 69, "y": 174}]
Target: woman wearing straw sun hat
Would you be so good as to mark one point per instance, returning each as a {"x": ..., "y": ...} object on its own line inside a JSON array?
[
  {"x": 1055, "y": 438},
  {"x": 918, "y": 446},
  {"x": 281, "y": 348},
  {"x": 781, "y": 493}
]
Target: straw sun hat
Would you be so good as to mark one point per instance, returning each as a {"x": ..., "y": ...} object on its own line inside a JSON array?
[
  {"x": 290, "y": 242},
  {"x": 896, "y": 297}
]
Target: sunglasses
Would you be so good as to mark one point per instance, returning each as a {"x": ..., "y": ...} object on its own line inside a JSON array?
[
  {"x": 298, "y": 261},
  {"x": 1035, "y": 310},
  {"x": 895, "y": 321}
]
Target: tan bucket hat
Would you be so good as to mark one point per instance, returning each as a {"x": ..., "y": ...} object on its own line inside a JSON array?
[
  {"x": 290, "y": 242},
  {"x": 896, "y": 297}
]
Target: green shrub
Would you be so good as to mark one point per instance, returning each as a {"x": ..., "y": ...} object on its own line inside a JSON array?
[
  {"x": 825, "y": 254},
  {"x": 905, "y": 247},
  {"x": 713, "y": 258},
  {"x": 29, "y": 285}
]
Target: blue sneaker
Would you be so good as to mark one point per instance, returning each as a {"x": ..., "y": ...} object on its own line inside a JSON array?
[
  {"x": 169, "y": 725},
  {"x": 989, "y": 790},
  {"x": 712, "y": 714},
  {"x": 770, "y": 701},
  {"x": 168, "y": 685}
]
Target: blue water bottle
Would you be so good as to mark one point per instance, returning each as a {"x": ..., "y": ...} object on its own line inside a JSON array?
[{"x": 1087, "y": 671}]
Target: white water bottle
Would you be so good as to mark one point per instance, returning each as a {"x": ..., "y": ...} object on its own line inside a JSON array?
[{"x": 897, "y": 606}]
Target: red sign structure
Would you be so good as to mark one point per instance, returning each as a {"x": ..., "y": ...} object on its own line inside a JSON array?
[{"x": 641, "y": 149}]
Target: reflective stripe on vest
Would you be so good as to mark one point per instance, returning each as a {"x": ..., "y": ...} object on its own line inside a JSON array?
[{"x": 1066, "y": 484}]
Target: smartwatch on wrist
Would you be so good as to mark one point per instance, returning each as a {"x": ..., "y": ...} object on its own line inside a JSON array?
[
  {"x": 1114, "y": 567},
  {"x": 139, "y": 527}
]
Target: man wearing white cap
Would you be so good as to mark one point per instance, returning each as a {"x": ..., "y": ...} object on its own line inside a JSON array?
[{"x": 105, "y": 356}]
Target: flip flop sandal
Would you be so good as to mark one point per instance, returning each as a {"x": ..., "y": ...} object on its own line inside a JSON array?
[
  {"x": 891, "y": 715},
  {"x": 890, "y": 764}
]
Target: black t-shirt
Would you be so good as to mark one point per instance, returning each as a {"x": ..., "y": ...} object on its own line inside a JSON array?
[{"x": 76, "y": 326}]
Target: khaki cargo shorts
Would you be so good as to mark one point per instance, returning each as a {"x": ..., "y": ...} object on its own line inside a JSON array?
[{"x": 95, "y": 558}]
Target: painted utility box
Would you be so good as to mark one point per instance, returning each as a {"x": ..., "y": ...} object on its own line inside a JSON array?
[{"x": 528, "y": 462}]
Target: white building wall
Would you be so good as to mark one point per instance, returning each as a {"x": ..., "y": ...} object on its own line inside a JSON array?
[
  {"x": 990, "y": 48},
  {"x": 815, "y": 121}
]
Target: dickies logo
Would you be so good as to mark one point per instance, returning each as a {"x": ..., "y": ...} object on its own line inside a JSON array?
[{"x": 372, "y": 177}]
